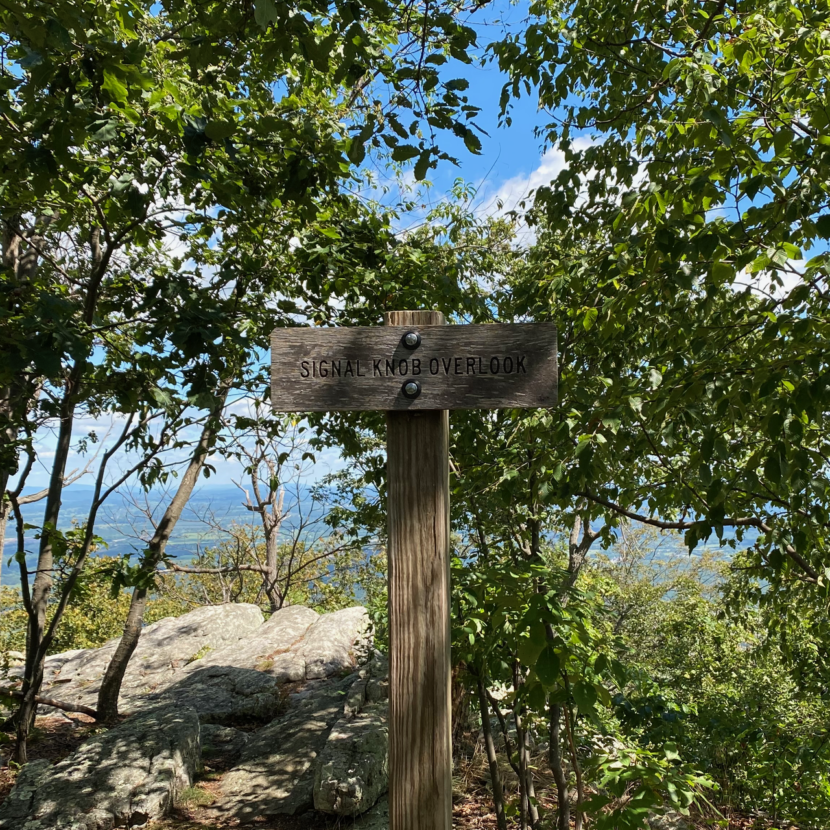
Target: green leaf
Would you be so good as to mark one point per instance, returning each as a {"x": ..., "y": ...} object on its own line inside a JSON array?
[
  {"x": 723, "y": 272},
  {"x": 585, "y": 697},
  {"x": 265, "y": 12},
  {"x": 422, "y": 166},
  {"x": 547, "y": 666},
  {"x": 590, "y": 318},
  {"x": 218, "y": 130},
  {"x": 472, "y": 142},
  {"x": 103, "y": 130},
  {"x": 529, "y": 650},
  {"x": 670, "y": 751},
  {"x": 404, "y": 152},
  {"x": 356, "y": 150},
  {"x": 117, "y": 91}
]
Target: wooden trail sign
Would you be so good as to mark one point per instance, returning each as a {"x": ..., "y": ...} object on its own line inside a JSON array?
[
  {"x": 451, "y": 367},
  {"x": 484, "y": 366}
]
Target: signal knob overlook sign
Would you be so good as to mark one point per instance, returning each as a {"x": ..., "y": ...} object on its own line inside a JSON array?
[
  {"x": 416, "y": 369},
  {"x": 490, "y": 366}
]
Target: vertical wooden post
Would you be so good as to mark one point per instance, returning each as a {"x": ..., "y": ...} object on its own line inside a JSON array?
[{"x": 420, "y": 743}]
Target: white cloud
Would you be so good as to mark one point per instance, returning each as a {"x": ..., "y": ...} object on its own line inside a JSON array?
[
  {"x": 511, "y": 192},
  {"x": 500, "y": 199},
  {"x": 769, "y": 284}
]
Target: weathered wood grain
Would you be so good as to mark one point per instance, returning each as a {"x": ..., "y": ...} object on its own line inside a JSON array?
[
  {"x": 420, "y": 721},
  {"x": 490, "y": 366}
]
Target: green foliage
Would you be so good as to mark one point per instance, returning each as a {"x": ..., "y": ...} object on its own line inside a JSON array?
[
  {"x": 514, "y": 622},
  {"x": 634, "y": 781},
  {"x": 12, "y": 621},
  {"x": 694, "y": 382},
  {"x": 715, "y": 686},
  {"x": 93, "y": 617}
]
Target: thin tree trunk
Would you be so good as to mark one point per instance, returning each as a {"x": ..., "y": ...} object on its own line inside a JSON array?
[
  {"x": 580, "y": 789},
  {"x": 508, "y": 746},
  {"x": 528, "y": 810},
  {"x": 271, "y": 523},
  {"x": 492, "y": 760},
  {"x": 525, "y": 768},
  {"x": 110, "y": 689},
  {"x": 459, "y": 706},
  {"x": 42, "y": 587},
  {"x": 555, "y": 761},
  {"x": 5, "y": 506}
]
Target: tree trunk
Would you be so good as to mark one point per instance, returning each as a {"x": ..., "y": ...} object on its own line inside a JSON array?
[
  {"x": 555, "y": 761},
  {"x": 459, "y": 706},
  {"x": 525, "y": 769},
  {"x": 110, "y": 689},
  {"x": 580, "y": 790},
  {"x": 492, "y": 760},
  {"x": 42, "y": 587},
  {"x": 271, "y": 525},
  {"x": 4, "y": 517}
]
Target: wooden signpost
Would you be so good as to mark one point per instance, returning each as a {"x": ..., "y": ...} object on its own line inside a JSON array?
[{"x": 416, "y": 369}]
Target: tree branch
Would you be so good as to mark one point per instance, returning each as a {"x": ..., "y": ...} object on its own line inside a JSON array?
[{"x": 747, "y": 521}]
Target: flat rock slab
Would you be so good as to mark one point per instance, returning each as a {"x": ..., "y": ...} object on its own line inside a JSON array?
[
  {"x": 338, "y": 642},
  {"x": 272, "y": 649},
  {"x": 298, "y": 644},
  {"x": 164, "y": 649},
  {"x": 275, "y": 775},
  {"x": 226, "y": 695},
  {"x": 124, "y": 778}
]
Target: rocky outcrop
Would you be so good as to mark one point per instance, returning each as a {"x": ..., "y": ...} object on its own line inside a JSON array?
[
  {"x": 337, "y": 643},
  {"x": 275, "y": 775},
  {"x": 221, "y": 745},
  {"x": 312, "y": 709},
  {"x": 329, "y": 750},
  {"x": 223, "y": 657},
  {"x": 298, "y": 644},
  {"x": 226, "y": 695},
  {"x": 353, "y": 769},
  {"x": 275, "y": 648},
  {"x": 123, "y": 778},
  {"x": 164, "y": 650}
]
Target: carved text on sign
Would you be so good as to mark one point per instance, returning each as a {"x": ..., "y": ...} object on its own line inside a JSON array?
[
  {"x": 400, "y": 368},
  {"x": 453, "y": 367}
]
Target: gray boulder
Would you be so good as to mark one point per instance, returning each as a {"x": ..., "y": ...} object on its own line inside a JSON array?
[
  {"x": 275, "y": 775},
  {"x": 164, "y": 649},
  {"x": 336, "y": 643},
  {"x": 274, "y": 648},
  {"x": 226, "y": 695},
  {"x": 124, "y": 778},
  {"x": 353, "y": 770}
]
